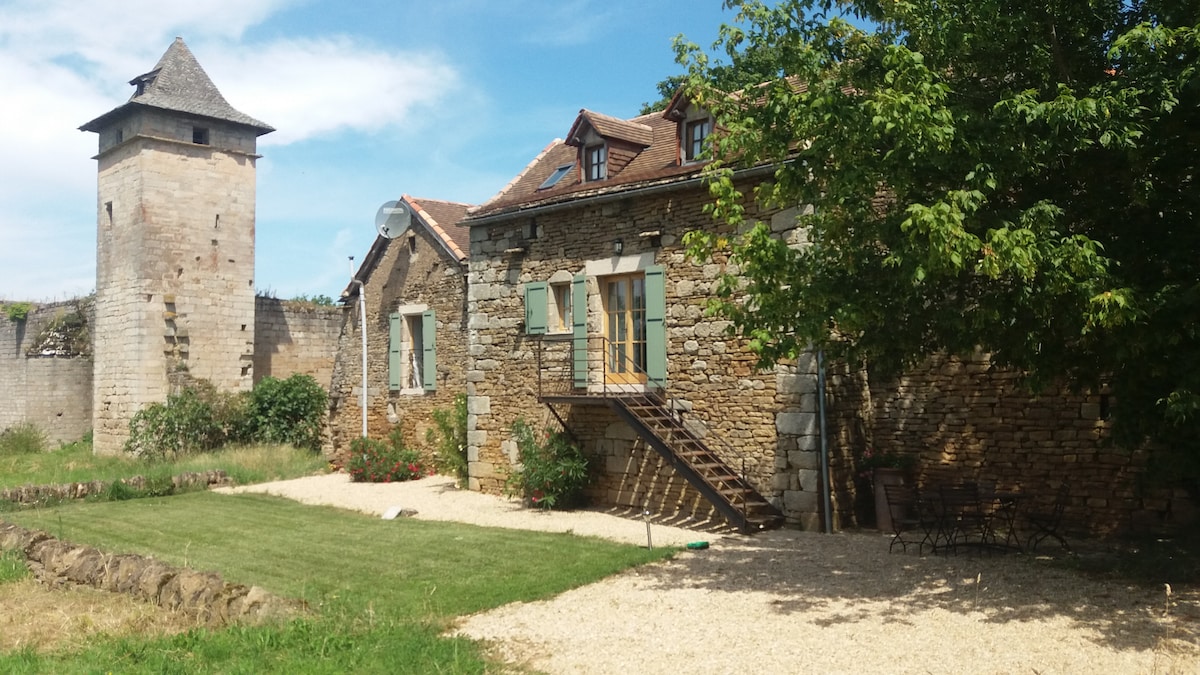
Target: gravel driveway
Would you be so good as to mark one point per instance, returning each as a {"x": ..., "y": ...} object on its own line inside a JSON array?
[{"x": 797, "y": 602}]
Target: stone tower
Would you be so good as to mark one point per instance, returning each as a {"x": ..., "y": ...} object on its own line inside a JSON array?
[{"x": 174, "y": 245}]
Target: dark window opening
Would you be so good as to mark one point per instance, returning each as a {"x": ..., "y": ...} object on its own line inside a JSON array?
[
  {"x": 200, "y": 135},
  {"x": 595, "y": 163},
  {"x": 694, "y": 135}
]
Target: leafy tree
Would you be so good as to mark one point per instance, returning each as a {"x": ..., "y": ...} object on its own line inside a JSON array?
[
  {"x": 1018, "y": 176},
  {"x": 758, "y": 66}
]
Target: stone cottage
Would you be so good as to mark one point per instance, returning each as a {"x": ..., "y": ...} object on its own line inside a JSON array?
[
  {"x": 586, "y": 314},
  {"x": 415, "y": 291}
]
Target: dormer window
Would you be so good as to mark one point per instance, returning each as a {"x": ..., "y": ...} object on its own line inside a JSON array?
[
  {"x": 693, "y": 138},
  {"x": 595, "y": 162}
]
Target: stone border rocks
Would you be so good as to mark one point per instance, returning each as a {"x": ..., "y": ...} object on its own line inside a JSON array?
[
  {"x": 204, "y": 595},
  {"x": 39, "y": 494}
]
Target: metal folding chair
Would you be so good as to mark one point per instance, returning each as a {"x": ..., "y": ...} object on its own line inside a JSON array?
[
  {"x": 906, "y": 512},
  {"x": 1048, "y": 524}
]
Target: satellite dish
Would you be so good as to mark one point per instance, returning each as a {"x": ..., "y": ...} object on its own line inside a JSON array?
[{"x": 392, "y": 219}]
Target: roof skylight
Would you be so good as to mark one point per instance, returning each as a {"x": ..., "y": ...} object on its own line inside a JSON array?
[{"x": 556, "y": 176}]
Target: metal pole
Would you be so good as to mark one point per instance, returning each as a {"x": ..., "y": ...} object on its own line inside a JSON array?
[
  {"x": 827, "y": 499},
  {"x": 362, "y": 328}
]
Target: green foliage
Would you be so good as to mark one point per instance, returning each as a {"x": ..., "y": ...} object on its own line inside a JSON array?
[
  {"x": 449, "y": 440},
  {"x": 21, "y": 439},
  {"x": 373, "y": 461},
  {"x": 319, "y": 300},
  {"x": 17, "y": 311},
  {"x": 1021, "y": 179},
  {"x": 12, "y": 566},
  {"x": 287, "y": 411},
  {"x": 552, "y": 470},
  {"x": 75, "y": 462},
  {"x": 871, "y": 459},
  {"x": 197, "y": 419}
]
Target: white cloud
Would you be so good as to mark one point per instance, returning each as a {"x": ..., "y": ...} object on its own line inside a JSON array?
[
  {"x": 306, "y": 88},
  {"x": 64, "y": 62}
]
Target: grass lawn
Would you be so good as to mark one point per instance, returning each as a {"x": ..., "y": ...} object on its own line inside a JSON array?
[
  {"x": 74, "y": 462},
  {"x": 381, "y": 591}
]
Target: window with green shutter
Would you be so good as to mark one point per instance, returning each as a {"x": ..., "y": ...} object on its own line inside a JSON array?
[
  {"x": 656, "y": 326},
  {"x": 428, "y": 351},
  {"x": 395, "y": 347},
  {"x": 579, "y": 330},
  {"x": 536, "y": 303}
]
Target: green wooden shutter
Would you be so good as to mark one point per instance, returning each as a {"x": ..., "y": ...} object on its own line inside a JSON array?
[
  {"x": 656, "y": 326},
  {"x": 395, "y": 365},
  {"x": 579, "y": 345},
  {"x": 429, "y": 350},
  {"x": 537, "y": 302}
]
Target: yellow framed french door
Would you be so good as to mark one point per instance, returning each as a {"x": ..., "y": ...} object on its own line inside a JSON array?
[{"x": 624, "y": 299}]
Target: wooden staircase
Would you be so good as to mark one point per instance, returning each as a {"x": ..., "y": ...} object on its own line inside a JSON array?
[{"x": 723, "y": 486}]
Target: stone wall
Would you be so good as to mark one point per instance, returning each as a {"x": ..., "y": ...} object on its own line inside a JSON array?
[
  {"x": 46, "y": 370},
  {"x": 38, "y": 495},
  {"x": 768, "y": 417},
  {"x": 204, "y": 595},
  {"x": 295, "y": 337},
  {"x": 407, "y": 275},
  {"x": 966, "y": 419}
]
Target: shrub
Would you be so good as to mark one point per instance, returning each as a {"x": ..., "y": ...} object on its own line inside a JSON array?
[
  {"x": 197, "y": 419},
  {"x": 449, "y": 439},
  {"x": 17, "y": 311},
  {"x": 287, "y": 411},
  {"x": 552, "y": 471},
  {"x": 374, "y": 461},
  {"x": 21, "y": 439}
]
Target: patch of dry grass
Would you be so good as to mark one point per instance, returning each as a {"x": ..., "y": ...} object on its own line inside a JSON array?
[{"x": 43, "y": 619}]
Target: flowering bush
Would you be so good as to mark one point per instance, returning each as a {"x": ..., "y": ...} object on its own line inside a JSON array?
[
  {"x": 870, "y": 459},
  {"x": 373, "y": 461},
  {"x": 552, "y": 470}
]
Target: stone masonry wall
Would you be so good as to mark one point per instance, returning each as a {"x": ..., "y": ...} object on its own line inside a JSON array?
[
  {"x": 175, "y": 266},
  {"x": 295, "y": 337},
  {"x": 966, "y": 419},
  {"x": 767, "y": 416},
  {"x": 43, "y": 381},
  {"x": 424, "y": 277}
]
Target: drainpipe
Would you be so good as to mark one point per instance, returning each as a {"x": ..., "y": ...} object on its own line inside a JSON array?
[
  {"x": 362, "y": 328},
  {"x": 826, "y": 490}
]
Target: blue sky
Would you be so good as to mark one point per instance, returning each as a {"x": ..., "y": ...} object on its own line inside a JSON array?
[{"x": 444, "y": 99}]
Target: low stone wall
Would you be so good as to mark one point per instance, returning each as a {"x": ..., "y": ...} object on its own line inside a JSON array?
[
  {"x": 204, "y": 595},
  {"x": 40, "y": 494}
]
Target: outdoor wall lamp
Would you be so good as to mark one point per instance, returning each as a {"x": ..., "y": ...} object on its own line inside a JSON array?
[{"x": 618, "y": 246}]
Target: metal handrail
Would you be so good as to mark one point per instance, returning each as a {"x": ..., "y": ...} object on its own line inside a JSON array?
[{"x": 650, "y": 392}]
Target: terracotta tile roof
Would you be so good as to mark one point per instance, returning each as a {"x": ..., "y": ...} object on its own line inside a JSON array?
[
  {"x": 178, "y": 83},
  {"x": 656, "y": 163},
  {"x": 440, "y": 218},
  {"x": 610, "y": 127}
]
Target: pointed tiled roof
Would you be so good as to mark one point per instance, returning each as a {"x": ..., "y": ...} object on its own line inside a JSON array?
[{"x": 179, "y": 83}]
